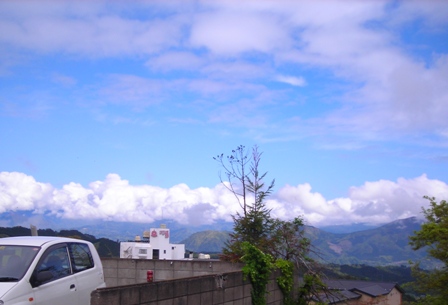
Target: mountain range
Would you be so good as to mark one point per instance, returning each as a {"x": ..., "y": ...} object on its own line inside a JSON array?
[
  {"x": 376, "y": 246},
  {"x": 387, "y": 245}
]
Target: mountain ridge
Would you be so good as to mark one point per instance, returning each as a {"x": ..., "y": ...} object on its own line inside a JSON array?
[
  {"x": 128, "y": 230},
  {"x": 384, "y": 245}
]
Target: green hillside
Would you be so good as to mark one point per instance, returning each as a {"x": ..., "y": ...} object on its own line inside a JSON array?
[
  {"x": 206, "y": 241},
  {"x": 104, "y": 246},
  {"x": 385, "y": 245}
]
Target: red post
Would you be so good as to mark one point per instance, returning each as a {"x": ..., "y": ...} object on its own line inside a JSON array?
[{"x": 150, "y": 276}]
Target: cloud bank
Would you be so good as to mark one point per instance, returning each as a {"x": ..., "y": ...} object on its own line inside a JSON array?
[
  {"x": 393, "y": 90},
  {"x": 114, "y": 199}
]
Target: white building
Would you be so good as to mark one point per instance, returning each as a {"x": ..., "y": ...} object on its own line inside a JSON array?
[{"x": 154, "y": 245}]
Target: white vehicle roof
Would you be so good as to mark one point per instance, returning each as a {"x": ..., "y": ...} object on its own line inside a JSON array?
[{"x": 36, "y": 240}]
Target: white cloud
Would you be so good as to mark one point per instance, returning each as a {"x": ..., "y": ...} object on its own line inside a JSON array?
[
  {"x": 291, "y": 80},
  {"x": 233, "y": 32},
  {"x": 391, "y": 92},
  {"x": 115, "y": 199},
  {"x": 236, "y": 70},
  {"x": 374, "y": 202},
  {"x": 21, "y": 192},
  {"x": 74, "y": 32}
]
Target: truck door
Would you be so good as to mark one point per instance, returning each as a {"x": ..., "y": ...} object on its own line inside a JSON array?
[{"x": 53, "y": 281}]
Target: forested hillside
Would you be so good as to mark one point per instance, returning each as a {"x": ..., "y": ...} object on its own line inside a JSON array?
[
  {"x": 385, "y": 245},
  {"x": 206, "y": 241},
  {"x": 104, "y": 246}
]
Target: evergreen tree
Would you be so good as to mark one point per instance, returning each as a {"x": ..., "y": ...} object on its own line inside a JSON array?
[{"x": 434, "y": 235}]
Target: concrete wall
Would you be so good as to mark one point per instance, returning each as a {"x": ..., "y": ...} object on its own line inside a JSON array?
[
  {"x": 119, "y": 272},
  {"x": 227, "y": 288}
]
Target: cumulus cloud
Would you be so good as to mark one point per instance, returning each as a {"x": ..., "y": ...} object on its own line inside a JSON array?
[
  {"x": 115, "y": 199},
  {"x": 21, "y": 192},
  {"x": 374, "y": 202}
]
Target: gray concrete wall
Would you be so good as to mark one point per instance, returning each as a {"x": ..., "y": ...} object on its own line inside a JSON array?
[
  {"x": 227, "y": 288},
  {"x": 119, "y": 272}
]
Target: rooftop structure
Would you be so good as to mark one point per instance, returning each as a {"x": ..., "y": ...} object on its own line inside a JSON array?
[
  {"x": 362, "y": 292},
  {"x": 155, "y": 244}
]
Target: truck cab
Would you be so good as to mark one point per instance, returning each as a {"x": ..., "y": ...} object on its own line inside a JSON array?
[{"x": 37, "y": 270}]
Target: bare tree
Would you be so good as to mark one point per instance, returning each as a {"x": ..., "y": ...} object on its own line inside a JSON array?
[
  {"x": 246, "y": 182},
  {"x": 235, "y": 168}
]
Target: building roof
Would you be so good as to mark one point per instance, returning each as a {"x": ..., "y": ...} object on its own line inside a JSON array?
[
  {"x": 336, "y": 296},
  {"x": 373, "y": 289},
  {"x": 344, "y": 290}
]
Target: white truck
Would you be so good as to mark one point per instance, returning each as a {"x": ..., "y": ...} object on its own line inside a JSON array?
[{"x": 38, "y": 270}]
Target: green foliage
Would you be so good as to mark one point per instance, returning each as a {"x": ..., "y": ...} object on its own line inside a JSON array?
[
  {"x": 312, "y": 286},
  {"x": 430, "y": 300},
  {"x": 258, "y": 267},
  {"x": 286, "y": 280},
  {"x": 288, "y": 241},
  {"x": 434, "y": 237},
  {"x": 434, "y": 233}
]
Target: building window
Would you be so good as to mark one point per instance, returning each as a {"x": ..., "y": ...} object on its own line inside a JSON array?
[
  {"x": 164, "y": 251},
  {"x": 142, "y": 251}
]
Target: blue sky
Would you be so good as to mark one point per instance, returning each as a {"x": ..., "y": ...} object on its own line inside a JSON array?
[{"x": 113, "y": 111}]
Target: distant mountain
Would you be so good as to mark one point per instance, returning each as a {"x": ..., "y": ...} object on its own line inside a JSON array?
[
  {"x": 385, "y": 245},
  {"x": 104, "y": 246},
  {"x": 355, "y": 227},
  {"x": 114, "y": 230},
  {"x": 206, "y": 241},
  {"x": 123, "y": 231}
]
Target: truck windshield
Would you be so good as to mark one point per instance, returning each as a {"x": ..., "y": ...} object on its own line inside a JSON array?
[{"x": 15, "y": 261}]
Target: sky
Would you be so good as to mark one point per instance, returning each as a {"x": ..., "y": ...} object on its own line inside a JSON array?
[{"x": 114, "y": 110}]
